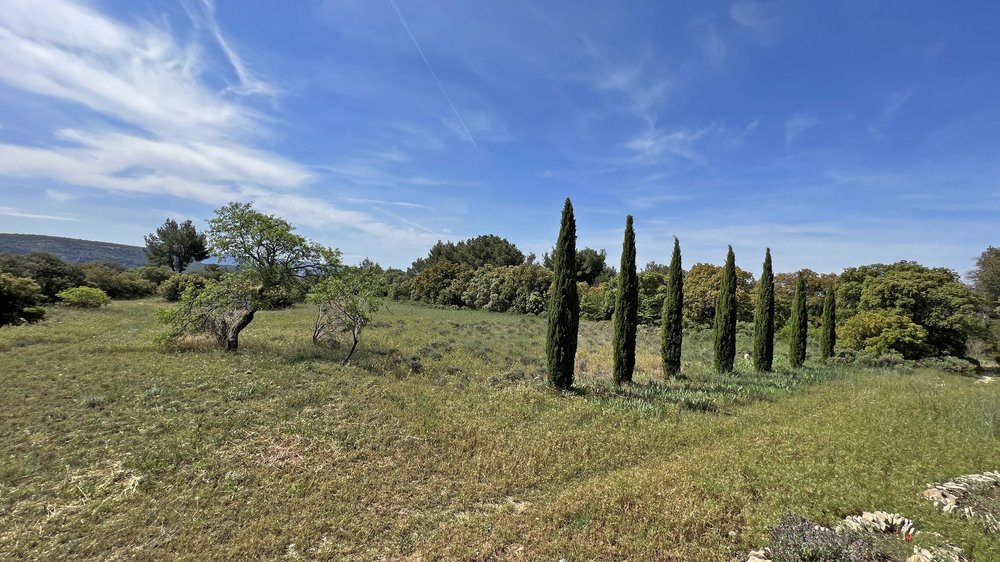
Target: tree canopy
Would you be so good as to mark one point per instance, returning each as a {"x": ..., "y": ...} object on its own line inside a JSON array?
[
  {"x": 986, "y": 278},
  {"x": 932, "y": 298},
  {"x": 272, "y": 260},
  {"x": 701, "y": 285},
  {"x": 488, "y": 249},
  {"x": 591, "y": 265},
  {"x": 176, "y": 245}
]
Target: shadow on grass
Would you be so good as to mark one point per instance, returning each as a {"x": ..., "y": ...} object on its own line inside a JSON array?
[{"x": 711, "y": 394}]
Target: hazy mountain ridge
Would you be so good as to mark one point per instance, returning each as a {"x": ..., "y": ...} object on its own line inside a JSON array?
[{"x": 73, "y": 249}]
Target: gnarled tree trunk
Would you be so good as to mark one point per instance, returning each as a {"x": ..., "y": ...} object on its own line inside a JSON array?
[{"x": 231, "y": 340}]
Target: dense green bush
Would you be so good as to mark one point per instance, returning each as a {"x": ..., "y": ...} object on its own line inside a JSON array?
[
  {"x": 883, "y": 332},
  {"x": 701, "y": 286},
  {"x": 118, "y": 282},
  {"x": 174, "y": 287},
  {"x": 521, "y": 289},
  {"x": 477, "y": 252},
  {"x": 870, "y": 360},
  {"x": 84, "y": 297},
  {"x": 932, "y": 298},
  {"x": 20, "y": 298},
  {"x": 652, "y": 292},
  {"x": 948, "y": 364},
  {"x": 155, "y": 274},
  {"x": 443, "y": 283},
  {"x": 49, "y": 272},
  {"x": 596, "y": 301}
]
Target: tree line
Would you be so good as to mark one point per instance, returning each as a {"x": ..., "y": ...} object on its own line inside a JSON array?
[{"x": 903, "y": 308}]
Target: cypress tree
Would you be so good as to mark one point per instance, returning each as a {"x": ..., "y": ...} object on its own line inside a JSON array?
[
  {"x": 564, "y": 306},
  {"x": 626, "y": 310},
  {"x": 799, "y": 324},
  {"x": 828, "y": 341},
  {"x": 763, "y": 319},
  {"x": 671, "y": 320},
  {"x": 725, "y": 317}
]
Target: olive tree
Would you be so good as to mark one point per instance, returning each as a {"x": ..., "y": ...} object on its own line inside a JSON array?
[
  {"x": 346, "y": 303},
  {"x": 271, "y": 261}
]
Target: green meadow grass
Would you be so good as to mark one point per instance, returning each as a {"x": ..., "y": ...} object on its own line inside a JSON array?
[{"x": 441, "y": 441}]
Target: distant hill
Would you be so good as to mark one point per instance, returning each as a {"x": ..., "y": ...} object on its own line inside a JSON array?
[{"x": 73, "y": 250}]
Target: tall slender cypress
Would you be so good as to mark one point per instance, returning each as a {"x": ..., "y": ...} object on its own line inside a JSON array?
[
  {"x": 828, "y": 340},
  {"x": 564, "y": 305},
  {"x": 800, "y": 325},
  {"x": 626, "y": 310},
  {"x": 725, "y": 317},
  {"x": 763, "y": 319},
  {"x": 672, "y": 320}
]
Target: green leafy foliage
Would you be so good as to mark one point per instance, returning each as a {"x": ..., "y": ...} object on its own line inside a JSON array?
[
  {"x": 652, "y": 293},
  {"x": 816, "y": 287},
  {"x": 798, "y": 325},
  {"x": 273, "y": 262},
  {"x": 884, "y": 332},
  {"x": 701, "y": 286},
  {"x": 488, "y": 249},
  {"x": 221, "y": 309},
  {"x": 725, "y": 317},
  {"x": 763, "y": 319},
  {"x": 828, "y": 339},
  {"x": 20, "y": 300},
  {"x": 932, "y": 298},
  {"x": 626, "y": 310},
  {"x": 346, "y": 303},
  {"x": 596, "y": 301},
  {"x": 672, "y": 323},
  {"x": 444, "y": 283},
  {"x": 564, "y": 306},
  {"x": 84, "y": 297},
  {"x": 521, "y": 289},
  {"x": 172, "y": 289},
  {"x": 116, "y": 281},
  {"x": 986, "y": 278},
  {"x": 176, "y": 245},
  {"x": 48, "y": 271},
  {"x": 155, "y": 274},
  {"x": 591, "y": 266}
]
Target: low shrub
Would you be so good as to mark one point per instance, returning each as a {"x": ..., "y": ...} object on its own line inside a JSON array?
[
  {"x": 796, "y": 539},
  {"x": 949, "y": 364},
  {"x": 174, "y": 287},
  {"x": 883, "y": 332},
  {"x": 20, "y": 298},
  {"x": 84, "y": 297},
  {"x": 871, "y": 360}
]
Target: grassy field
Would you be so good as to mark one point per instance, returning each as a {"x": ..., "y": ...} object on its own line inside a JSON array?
[{"x": 441, "y": 441}]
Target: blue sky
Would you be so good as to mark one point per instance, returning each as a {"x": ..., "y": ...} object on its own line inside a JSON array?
[{"x": 837, "y": 133}]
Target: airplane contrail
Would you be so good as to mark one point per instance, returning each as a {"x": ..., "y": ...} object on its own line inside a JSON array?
[{"x": 431, "y": 68}]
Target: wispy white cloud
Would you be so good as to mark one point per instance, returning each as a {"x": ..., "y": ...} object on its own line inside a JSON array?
[
  {"x": 160, "y": 127},
  {"x": 643, "y": 88},
  {"x": 677, "y": 143},
  {"x": 758, "y": 16},
  {"x": 60, "y": 196},
  {"x": 895, "y": 101},
  {"x": 710, "y": 41},
  {"x": 798, "y": 124},
  {"x": 12, "y": 212},
  {"x": 203, "y": 15},
  {"x": 382, "y": 202}
]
